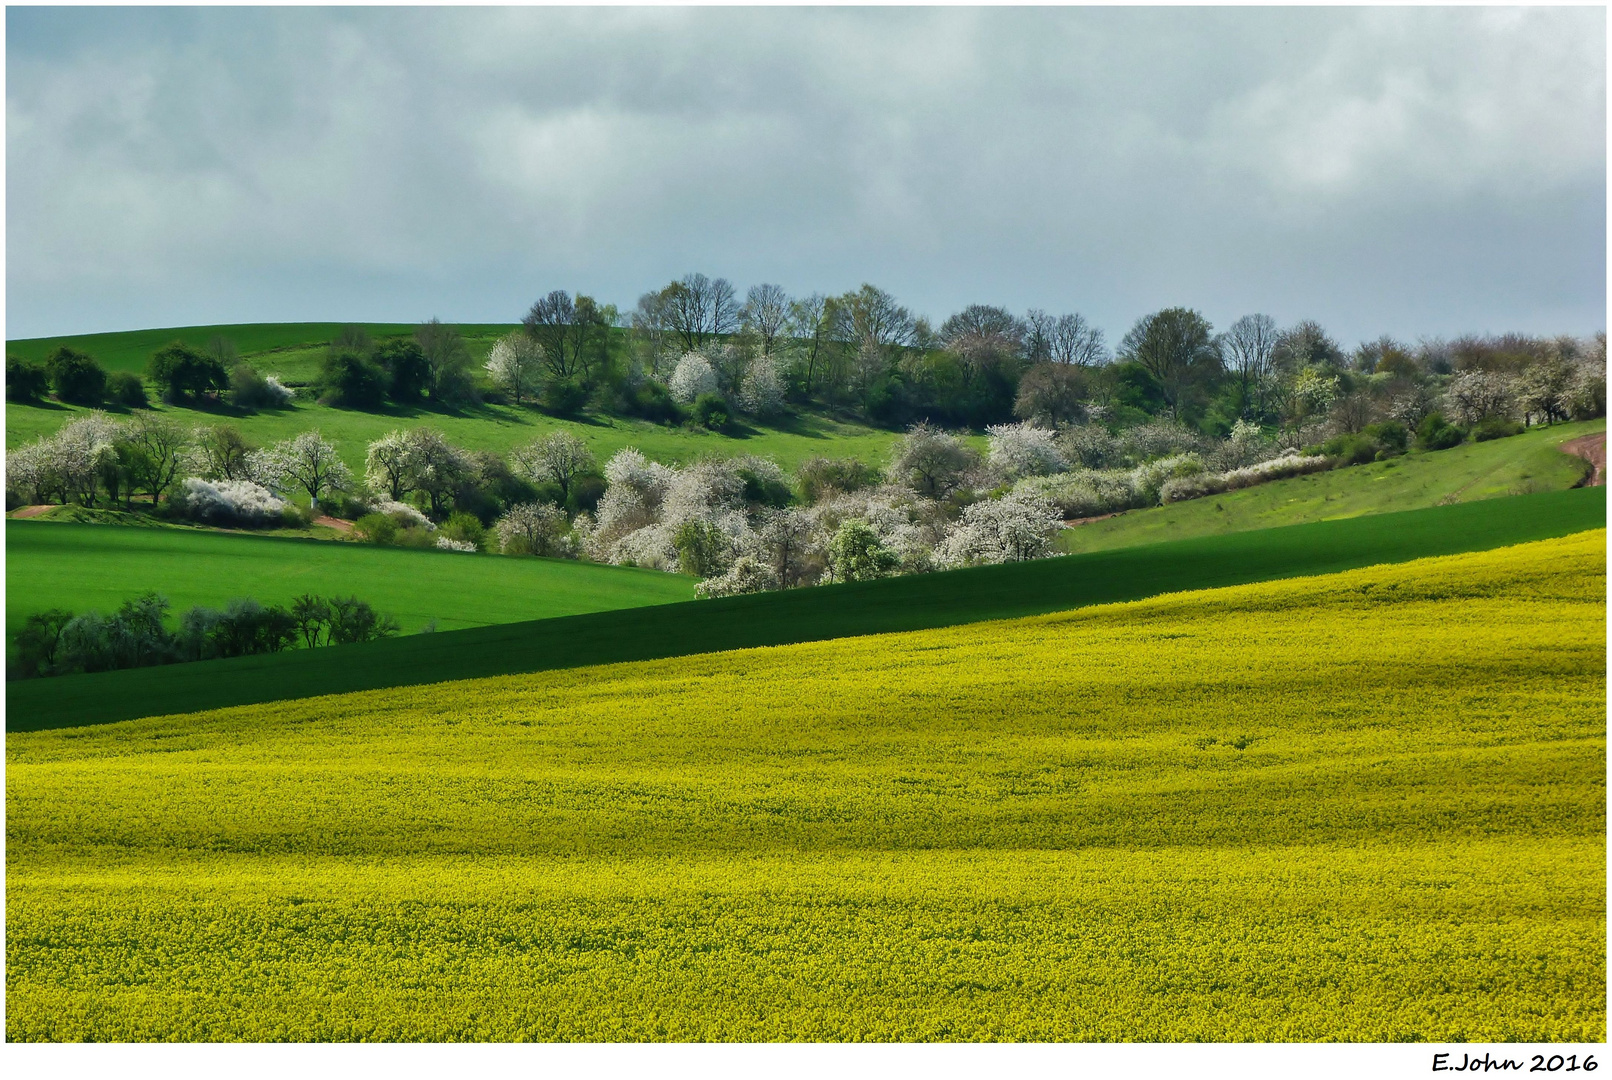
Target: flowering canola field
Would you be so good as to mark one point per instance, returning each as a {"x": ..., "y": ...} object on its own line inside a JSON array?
[{"x": 1367, "y": 806}]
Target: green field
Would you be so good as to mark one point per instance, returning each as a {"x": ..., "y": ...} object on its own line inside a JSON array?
[
  {"x": 896, "y": 604},
  {"x": 96, "y": 567},
  {"x": 1524, "y": 463},
  {"x": 294, "y": 351},
  {"x": 1368, "y": 807}
]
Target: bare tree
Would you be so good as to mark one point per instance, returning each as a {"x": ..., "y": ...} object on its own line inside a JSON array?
[
  {"x": 1039, "y": 328},
  {"x": 1246, "y": 350},
  {"x": 766, "y": 313},
  {"x": 571, "y": 332},
  {"x": 1174, "y": 347},
  {"x": 810, "y": 320},
  {"x": 1075, "y": 341}
]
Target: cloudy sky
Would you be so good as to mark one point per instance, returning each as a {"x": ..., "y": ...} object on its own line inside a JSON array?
[{"x": 1416, "y": 172}]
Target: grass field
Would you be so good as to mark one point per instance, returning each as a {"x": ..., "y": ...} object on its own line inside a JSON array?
[
  {"x": 896, "y": 604},
  {"x": 1524, "y": 463},
  {"x": 294, "y": 351},
  {"x": 1361, "y": 807},
  {"x": 85, "y": 567}
]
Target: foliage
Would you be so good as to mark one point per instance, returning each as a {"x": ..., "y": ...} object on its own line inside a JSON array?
[
  {"x": 230, "y": 503},
  {"x": 857, "y": 554},
  {"x": 819, "y": 476},
  {"x": 947, "y": 835},
  {"x": 350, "y": 380},
  {"x": 1436, "y": 433},
  {"x": 1495, "y": 427},
  {"x": 535, "y": 529},
  {"x": 932, "y": 462},
  {"x": 125, "y": 388},
  {"x": 711, "y": 412},
  {"x": 76, "y": 377},
  {"x": 25, "y": 381},
  {"x": 181, "y": 372},
  {"x": 563, "y": 396},
  {"x": 249, "y": 390}
]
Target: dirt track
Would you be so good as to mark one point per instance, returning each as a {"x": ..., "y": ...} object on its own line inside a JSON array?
[
  {"x": 1592, "y": 448},
  {"x": 31, "y": 511}
]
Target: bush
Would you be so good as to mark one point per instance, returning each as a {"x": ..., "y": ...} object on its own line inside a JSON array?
[
  {"x": 1436, "y": 433},
  {"x": 408, "y": 375},
  {"x": 349, "y": 381},
  {"x": 125, "y": 388},
  {"x": 564, "y": 397},
  {"x": 179, "y": 371},
  {"x": 249, "y": 390},
  {"x": 652, "y": 401},
  {"x": 76, "y": 377},
  {"x": 1350, "y": 449},
  {"x": 25, "y": 381},
  {"x": 1495, "y": 427},
  {"x": 1391, "y": 435},
  {"x": 229, "y": 502},
  {"x": 702, "y": 549},
  {"x": 711, "y": 412},
  {"x": 536, "y": 529},
  {"x": 376, "y": 528},
  {"x": 818, "y": 477},
  {"x": 463, "y": 528},
  {"x": 353, "y": 621},
  {"x": 856, "y": 554}
]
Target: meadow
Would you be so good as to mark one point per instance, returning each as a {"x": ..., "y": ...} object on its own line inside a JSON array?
[
  {"x": 294, "y": 352},
  {"x": 906, "y": 603},
  {"x": 97, "y": 567},
  {"x": 1524, "y": 463},
  {"x": 1367, "y": 806}
]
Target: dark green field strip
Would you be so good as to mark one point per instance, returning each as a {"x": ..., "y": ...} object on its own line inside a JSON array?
[{"x": 897, "y": 604}]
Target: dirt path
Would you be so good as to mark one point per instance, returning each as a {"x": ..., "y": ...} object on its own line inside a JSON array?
[
  {"x": 1592, "y": 448},
  {"x": 334, "y": 523},
  {"x": 31, "y": 511},
  {"x": 1072, "y": 522}
]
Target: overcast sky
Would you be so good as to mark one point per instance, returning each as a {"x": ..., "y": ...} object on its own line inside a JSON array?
[{"x": 1415, "y": 172}]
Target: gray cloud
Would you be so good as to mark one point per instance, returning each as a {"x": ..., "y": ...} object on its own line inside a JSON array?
[{"x": 1413, "y": 171}]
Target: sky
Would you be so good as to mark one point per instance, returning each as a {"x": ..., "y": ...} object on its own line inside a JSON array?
[{"x": 1418, "y": 172}]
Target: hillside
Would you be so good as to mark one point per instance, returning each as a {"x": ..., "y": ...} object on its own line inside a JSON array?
[
  {"x": 294, "y": 351},
  {"x": 85, "y": 567},
  {"x": 1246, "y": 814},
  {"x": 1529, "y": 462},
  {"x": 894, "y": 604}
]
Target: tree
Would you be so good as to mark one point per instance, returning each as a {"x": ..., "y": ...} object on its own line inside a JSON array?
[
  {"x": 1075, "y": 341},
  {"x": 855, "y": 553},
  {"x": 1052, "y": 394},
  {"x": 1175, "y": 348},
  {"x": 408, "y": 373},
  {"x": 40, "y": 640},
  {"x": 535, "y": 529},
  {"x": 1303, "y": 345},
  {"x": 572, "y": 333},
  {"x": 810, "y": 321},
  {"x": 151, "y": 451},
  {"x": 1039, "y": 328},
  {"x": 980, "y": 331},
  {"x": 25, "y": 381},
  {"x": 310, "y": 616},
  {"x": 75, "y": 376},
  {"x": 352, "y": 381},
  {"x": 180, "y": 371},
  {"x": 515, "y": 363},
  {"x": 932, "y": 462},
  {"x": 702, "y": 549},
  {"x": 1246, "y": 350},
  {"x": 446, "y": 359},
  {"x": 693, "y": 378},
  {"x": 783, "y": 542},
  {"x": 440, "y": 469},
  {"x": 560, "y": 459},
  {"x": 1020, "y": 450},
  {"x": 389, "y": 465},
  {"x": 308, "y": 462},
  {"x": 1014, "y": 528},
  {"x": 765, "y": 314},
  {"x": 699, "y": 308}
]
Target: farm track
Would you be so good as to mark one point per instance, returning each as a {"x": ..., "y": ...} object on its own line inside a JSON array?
[{"x": 1592, "y": 448}]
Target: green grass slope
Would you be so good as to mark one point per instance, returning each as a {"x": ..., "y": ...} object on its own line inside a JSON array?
[
  {"x": 1524, "y": 463},
  {"x": 84, "y": 567},
  {"x": 266, "y": 344},
  {"x": 808, "y": 614},
  {"x": 1362, "y": 807}
]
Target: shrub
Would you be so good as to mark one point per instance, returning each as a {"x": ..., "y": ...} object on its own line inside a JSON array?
[
  {"x": 702, "y": 549},
  {"x": 462, "y": 528},
  {"x": 692, "y": 379},
  {"x": 249, "y": 390},
  {"x": 711, "y": 412},
  {"x": 448, "y": 543},
  {"x": 349, "y": 381},
  {"x": 819, "y": 477},
  {"x": 1018, "y": 527},
  {"x": 1436, "y": 433},
  {"x": 25, "y": 381},
  {"x": 1495, "y": 427},
  {"x": 855, "y": 553},
  {"x": 76, "y": 377},
  {"x": 564, "y": 397},
  {"x": 1390, "y": 434},
  {"x": 376, "y": 528},
  {"x": 1350, "y": 449},
  {"x": 746, "y": 575},
  {"x": 39, "y": 641},
  {"x": 353, "y": 621},
  {"x": 651, "y": 400},
  {"x": 408, "y": 374},
  {"x": 764, "y": 486},
  {"x": 1020, "y": 450},
  {"x": 125, "y": 388},
  {"x": 179, "y": 371},
  {"x": 228, "y": 502}
]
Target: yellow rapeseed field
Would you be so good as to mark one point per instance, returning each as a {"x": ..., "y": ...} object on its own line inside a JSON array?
[{"x": 1368, "y": 806}]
